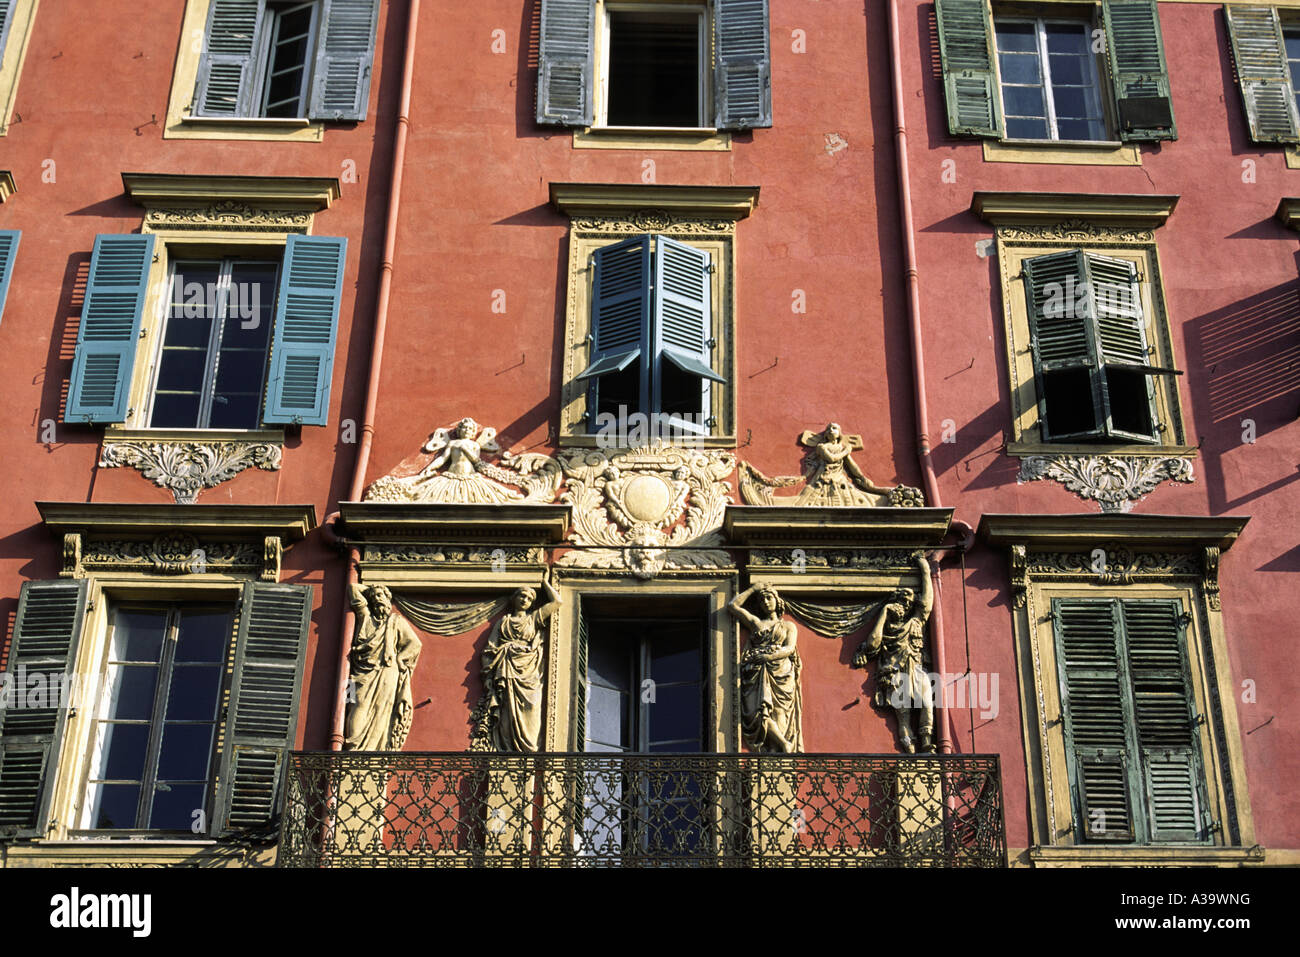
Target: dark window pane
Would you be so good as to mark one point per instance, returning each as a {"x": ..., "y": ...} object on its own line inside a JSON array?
[
  {"x": 240, "y": 370},
  {"x": 186, "y": 750},
  {"x": 173, "y": 410},
  {"x": 1080, "y": 130},
  {"x": 188, "y": 331},
  {"x": 681, "y": 392},
  {"x": 235, "y": 411},
  {"x": 1016, "y": 36},
  {"x": 1068, "y": 69},
  {"x": 1026, "y": 129},
  {"x": 675, "y": 714},
  {"x": 1070, "y": 102},
  {"x": 1068, "y": 395},
  {"x": 1068, "y": 38},
  {"x": 1019, "y": 68},
  {"x": 1130, "y": 405},
  {"x": 138, "y": 635},
  {"x": 675, "y": 656},
  {"x": 619, "y": 389},
  {"x": 204, "y": 636},
  {"x": 193, "y": 694},
  {"x": 132, "y": 691},
  {"x": 1023, "y": 101},
  {"x": 608, "y": 662},
  {"x": 124, "y": 751},
  {"x": 173, "y": 810},
  {"x": 182, "y": 370},
  {"x": 117, "y": 805},
  {"x": 654, "y": 70}
]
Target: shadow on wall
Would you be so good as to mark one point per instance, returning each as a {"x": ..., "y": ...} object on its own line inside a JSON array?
[{"x": 1244, "y": 372}]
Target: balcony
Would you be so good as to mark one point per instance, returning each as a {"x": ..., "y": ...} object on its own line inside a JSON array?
[{"x": 454, "y": 809}]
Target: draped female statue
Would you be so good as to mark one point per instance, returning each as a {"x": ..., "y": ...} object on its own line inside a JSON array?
[{"x": 771, "y": 700}]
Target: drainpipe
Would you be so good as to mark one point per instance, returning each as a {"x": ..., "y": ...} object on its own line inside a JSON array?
[
  {"x": 376, "y": 360},
  {"x": 918, "y": 353}
]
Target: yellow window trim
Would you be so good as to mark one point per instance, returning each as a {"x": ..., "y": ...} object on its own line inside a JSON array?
[
  {"x": 22, "y": 14},
  {"x": 181, "y": 125},
  {"x": 7, "y": 187},
  {"x": 1063, "y": 154}
]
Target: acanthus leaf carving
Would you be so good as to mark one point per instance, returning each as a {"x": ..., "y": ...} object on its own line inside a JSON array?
[
  {"x": 1114, "y": 482},
  {"x": 229, "y": 214},
  {"x": 1075, "y": 230},
  {"x": 187, "y": 468}
]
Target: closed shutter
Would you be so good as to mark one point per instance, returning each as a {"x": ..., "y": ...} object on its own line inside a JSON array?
[
  {"x": 1166, "y": 725},
  {"x": 742, "y": 68},
  {"x": 344, "y": 56},
  {"x": 1259, "y": 52},
  {"x": 306, "y": 326},
  {"x": 8, "y": 252},
  {"x": 1137, "y": 71},
  {"x": 969, "y": 78},
  {"x": 620, "y": 310},
  {"x": 110, "y": 328},
  {"x": 42, "y": 660},
  {"x": 682, "y": 321},
  {"x": 263, "y": 717},
  {"x": 228, "y": 67},
  {"x": 566, "y": 54}
]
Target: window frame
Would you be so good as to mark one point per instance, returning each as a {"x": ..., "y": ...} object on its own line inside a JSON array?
[
  {"x": 704, "y": 81},
  {"x": 14, "y": 41}
]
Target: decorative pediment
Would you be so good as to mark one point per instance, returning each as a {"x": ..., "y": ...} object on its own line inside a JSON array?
[{"x": 1114, "y": 482}]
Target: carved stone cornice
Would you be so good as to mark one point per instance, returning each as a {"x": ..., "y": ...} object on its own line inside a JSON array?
[
  {"x": 1084, "y": 532},
  {"x": 648, "y": 509},
  {"x": 310, "y": 193},
  {"x": 287, "y": 523},
  {"x": 432, "y": 523},
  {"x": 1023, "y": 209},
  {"x": 1114, "y": 482},
  {"x": 810, "y": 527},
  {"x": 658, "y": 207},
  {"x": 187, "y": 468}
]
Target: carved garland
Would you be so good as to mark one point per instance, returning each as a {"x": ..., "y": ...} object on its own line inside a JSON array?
[
  {"x": 1114, "y": 482},
  {"x": 171, "y": 554},
  {"x": 1113, "y": 566},
  {"x": 187, "y": 468},
  {"x": 229, "y": 214}
]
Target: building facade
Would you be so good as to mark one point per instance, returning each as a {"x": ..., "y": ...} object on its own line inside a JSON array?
[{"x": 607, "y": 433}]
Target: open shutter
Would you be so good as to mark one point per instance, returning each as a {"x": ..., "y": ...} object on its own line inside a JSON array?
[
  {"x": 970, "y": 82},
  {"x": 1137, "y": 71},
  {"x": 228, "y": 66},
  {"x": 1097, "y": 712},
  {"x": 566, "y": 54},
  {"x": 1115, "y": 308},
  {"x": 580, "y": 689},
  {"x": 8, "y": 250},
  {"x": 6, "y": 11},
  {"x": 110, "y": 328},
  {"x": 682, "y": 321},
  {"x": 620, "y": 311},
  {"x": 1259, "y": 52},
  {"x": 742, "y": 68},
  {"x": 340, "y": 88},
  {"x": 263, "y": 716},
  {"x": 306, "y": 325},
  {"x": 42, "y": 658},
  {"x": 1166, "y": 725}
]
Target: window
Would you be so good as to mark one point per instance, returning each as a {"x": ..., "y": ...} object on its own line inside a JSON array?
[
  {"x": 1266, "y": 53},
  {"x": 1045, "y": 78},
  {"x": 212, "y": 370},
  {"x": 8, "y": 252},
  {"x": 652, "y": 334},
  {"x": 16, "y": 17},
  {"x": 151, "y": 760},
  {"x": 670, "y": 65}
]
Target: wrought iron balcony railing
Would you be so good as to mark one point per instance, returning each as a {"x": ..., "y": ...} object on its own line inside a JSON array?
[{"x": 432, "y": 809}]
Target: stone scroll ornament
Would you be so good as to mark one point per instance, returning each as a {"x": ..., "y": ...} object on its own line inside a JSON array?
[
  {"x": 830, "y": 477},
  {"x": 771, "y": 701},
  {"x": 384, "y": 654},
  {"x": 508, "y": 717},
  {"x": 456, "y": 467}
]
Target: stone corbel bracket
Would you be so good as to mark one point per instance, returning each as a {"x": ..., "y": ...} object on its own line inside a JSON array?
[
  {"x": 187, "y": 468},
  {"x": 1114, "y": 482}
]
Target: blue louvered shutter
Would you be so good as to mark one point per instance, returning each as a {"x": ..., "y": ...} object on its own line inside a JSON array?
[
  {"x": 42, "y": 657},
  {"x": 682, "y": 320},
  {"x": 969, "y": 79},
  {"x": 306, "y": 325},
  {"x": 8, "y": 251},
  {"x": 742, "y": 68},
  {"x": 344, "y": 56},
  {"x": 1259, "y": 54},
  {"x": 6, "y": 16},
  {"x": 620, "y": 310},
  {"x": 1138, "y": 74},
  {"x": 110, "y": 328},
  {"x": 566, "y": 54},
  {"x": 262, "y": 721},
  {"x": 227, "y": 81}
]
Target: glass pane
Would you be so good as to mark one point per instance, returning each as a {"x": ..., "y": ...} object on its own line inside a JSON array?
[
  {"x": 131, "y": 691},
  {"x": 1023, "y": 101},
  {"x": 173, "y": 410},
  {"x": 193, "y": 694},
  {"x": 181, "y": 370},
  {"x": 1080, "y": 130},
  {"x": 1015, "y": 36},
  {"x": 251, "y": 306},
  {"x": 235, "y": 411},
  {"x": 186, "y": 750},
  {"x": 173, "y": 809},
  {"x": 607, "y": 660},
  {"x": 1070, "y": 103},
  {"x": 675, "y": 714},
  {"x": 1019, "y": 68},
  {"x": 1069, "y": 70},
  {"x": 204, "y": 636},
  {"x": 240, "y": 371},
  {"x": 188, "y": 331},
  {"x": 607, "y": 718},
  {"x": 675, "y": 657},
  {"x": 1067, "y": 38},
  {"x": 138, "y": 635},
  {"x": 124, "y": 747},
  {"x": 194, "y": 290},
  {"x": 117, "y": 805},
  {"x": 1026, "y": 129}
]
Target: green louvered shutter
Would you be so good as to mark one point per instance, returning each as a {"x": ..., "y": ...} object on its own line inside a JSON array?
[
  {"x": 1098, "y": 719},
  {"x": 742, "y": 67},
  {"x": 565, "y": 71},
  {"x": 6, "y": 9},
  {"x": 682, "y": 320},
  {"x": 969, "y": 78},
  {"x": 340, "y": 86},
  {"x": 580, "y": 689},
  {"x": 1166, "y": 724},
  {"x": 1259, "y": 52},
  {"x": 620, "y": 311},
  {"x": 1128, "y": 394},
  {"x": 228, "y": 67},
  {"x": 42, "y": 655},
  {"x": 1138, "y": 73},
  {"x": 110, "y": 328},
  {"x": 1064, "y": 346},
  {"x": 306, "y": 326},
  {"x": 8, "y": 252},
  {"x": 262, "y": 720}
]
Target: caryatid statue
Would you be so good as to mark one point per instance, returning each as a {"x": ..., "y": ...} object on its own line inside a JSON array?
[
  {"x": 509, "y": 717},
  {"x": 771, "y": 701},
  {"x": 897, "y": 642},
  {"x": 384, "y": 653}
]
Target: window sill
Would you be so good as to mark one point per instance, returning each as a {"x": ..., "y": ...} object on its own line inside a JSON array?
[
  {"x": 244, "y": 128},
  {"x": 1145, "y": 856},
  {"x": 1063, "y": 152},
  {"x": 117, "y": 433},
  {"x": 1022, "y": 449},
  {"x": 705, "y": 139},
  {"x": 1292, "y": 154}
]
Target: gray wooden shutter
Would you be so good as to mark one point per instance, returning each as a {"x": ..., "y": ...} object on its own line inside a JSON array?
[
  {"x": 742, "y": 68},
  {"x": 6, "y": 9},
  {"x": 1062, "y": 337},
  {"x": 306, "y": 327},
  {"x": 262, "y": 720},
  {"x": 345, "y": 51},
  {"x": 970, "y": 80},
  {"x": 1259, "y": 52},
  {"x": 228, "y": 67},
  {"x": 1137, "y": 71},
  {"x": 110, "y": 328},
  {"x": 1098, "y": 719},
  {"x": 565, "y": 64},
  {"x": 620, "y": 310},
  {"x": 682, "y": 323},
  {"x": 1166, "y": 724},
  {"x": 47, "y": 631},
  {"x": 8, "y": 252}
]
